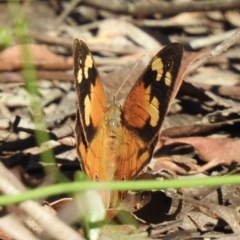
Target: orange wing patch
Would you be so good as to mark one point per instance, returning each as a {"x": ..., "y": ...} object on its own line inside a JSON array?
[
  {"x": 94, "y": 105},
  {"x": 114, "y": 142}
]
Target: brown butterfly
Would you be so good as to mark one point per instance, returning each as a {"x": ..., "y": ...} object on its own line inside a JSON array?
[{"x": 114, "y": 142}]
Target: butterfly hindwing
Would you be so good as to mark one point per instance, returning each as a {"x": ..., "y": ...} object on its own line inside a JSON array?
[
  {"x": 148, "y": 101},
  {"x": 133, "y": 159}
]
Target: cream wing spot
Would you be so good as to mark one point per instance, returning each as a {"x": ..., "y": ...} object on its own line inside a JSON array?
[
  {"x": 155, "y": 102},
  {"x": 88, "y": 64},
  {"x": 79, "y": 76},
  {"x": 157, "y": 65},
  {"x": 89, "y": 61},
  {"x": 168, "y": 79},
  {"x": 154, "y": 112},
  {"x": 88, "y": 109}
]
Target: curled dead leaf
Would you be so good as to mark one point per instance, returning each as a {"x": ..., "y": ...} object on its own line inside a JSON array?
[{"x": 12, "y": 59}]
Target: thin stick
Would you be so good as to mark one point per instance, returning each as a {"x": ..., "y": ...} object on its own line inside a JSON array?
[
  {"x": 143, "y": 8},
  {"x": 215, "y": 52},
  {"x": 66, "y": 12}
]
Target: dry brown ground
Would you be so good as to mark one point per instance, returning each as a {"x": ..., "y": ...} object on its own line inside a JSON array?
[{"x": 202, "y": 127}]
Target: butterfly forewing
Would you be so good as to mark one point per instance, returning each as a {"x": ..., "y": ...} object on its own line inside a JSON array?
[
  {"x": 148, "y": 101},
  {"x": 90, "y": 93},
  {"x": 90, "y": 113}
]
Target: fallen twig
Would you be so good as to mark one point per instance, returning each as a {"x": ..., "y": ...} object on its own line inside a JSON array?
[
  {"x": 222, "y": 47},
  {"x": 56, "y": 228},
  {"x": 166, "y": 8}
]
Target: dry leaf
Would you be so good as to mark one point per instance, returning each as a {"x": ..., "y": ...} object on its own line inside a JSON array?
[{"x": 12, "y": 59}]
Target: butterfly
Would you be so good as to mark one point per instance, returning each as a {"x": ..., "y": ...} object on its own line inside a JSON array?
[{"x": 114, "y": 141}]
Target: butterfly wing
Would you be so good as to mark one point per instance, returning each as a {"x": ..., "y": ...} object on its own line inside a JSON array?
[
  {"x": 91, "y": 111},
  {"x": 145, "y": 108},
  {"x": 148, "y": 101}
]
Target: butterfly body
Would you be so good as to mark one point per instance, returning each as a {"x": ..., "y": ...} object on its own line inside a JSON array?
[
  {"x": 115, "y": 141},
  {"x": 113, "y": 119},
  {"x": 113, "y": 137}
]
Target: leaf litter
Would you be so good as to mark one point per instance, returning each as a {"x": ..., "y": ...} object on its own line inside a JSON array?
[{"x": 200, "y": 136}]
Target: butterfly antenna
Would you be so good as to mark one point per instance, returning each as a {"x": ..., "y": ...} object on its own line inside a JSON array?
[
  {"x": 128, "y": 75},
  {"x": 106, "y": 88}
]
